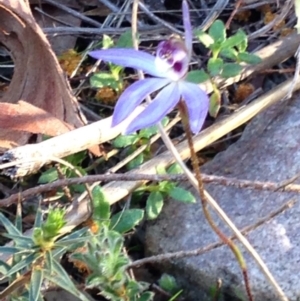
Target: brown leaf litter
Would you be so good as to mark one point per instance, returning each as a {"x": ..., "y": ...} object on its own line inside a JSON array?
[{"x": 38, "y": 99}]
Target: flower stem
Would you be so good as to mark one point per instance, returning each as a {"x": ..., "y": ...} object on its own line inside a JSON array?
[
  {"x": 193, "y": 181},
  {"x": 204, "y": 201}
]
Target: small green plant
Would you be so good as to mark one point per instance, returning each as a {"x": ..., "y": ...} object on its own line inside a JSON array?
[
  {"x": 106, "y": 261},
  {"x": 227, "y": 54},
  {"x": 36, "y": 258},
  {"x": 158, "y": 192},
  {"x": 104, "y": 257}
]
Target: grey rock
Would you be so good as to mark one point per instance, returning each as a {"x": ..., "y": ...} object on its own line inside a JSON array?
[{"x": 269, "y": 150}]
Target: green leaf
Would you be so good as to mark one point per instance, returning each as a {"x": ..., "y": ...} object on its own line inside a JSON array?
[
  {"x": 175, "y": 296},
  {"x": 215, "y": 66},
  {"x": 49, "y": 261},
  {"x": 9, "y": 227},
  {"x": 243, "y": 46},
  {"x": 160, "y": 169},
  {"x": 48, "y": 176},
  {"x": 62, "y": 279},
  {"x": 4, "y": 268},
  {"x": 249, "y": 58},
  {"x": 204, "y": 38},
  {"x": 231, "y": 70},
  {"x": 125, "y": 40},
  {"x": 168, "y": 283},
  {"x": 147, "y": 296},
  {"x": 11, "y": 250},
  {"x": 36, "y": 281},
  {"x": 165, "y": 186},
  {"x": 25, "y": 263},
  {"x": 101, "y": 206},
  {"x": 229, "y": 53},
  {"x": 174, "y": 169},
  {"x": 217, "y": 31},
  {"x": 76, "y": 159},
  {"x": 197, "y": 76},
  {"x": 74, "y": 235},
  {"x": 152, "y": 130},
  {"x": 107, "y": 42},
  {"x": 38, "y": 218},
  {"x": 237, "y": 39},
  {"x": 18, "y": 219},
  {"x": 20, "y": 240},
  {"x": 137, "y": 161},
  {"x": 104, "y": 79},
  {"x": 182, "y": 195},
  {"x": 126, "y": 220},
  {"x": 154, "y": 204},
  {"x": 214, "y": 104},
  {"x": 124, "y": 141}
]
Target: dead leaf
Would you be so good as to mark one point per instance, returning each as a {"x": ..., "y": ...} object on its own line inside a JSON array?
[
  {"x": 38, "y": 78},
  {"x": 25, "y": 117}
]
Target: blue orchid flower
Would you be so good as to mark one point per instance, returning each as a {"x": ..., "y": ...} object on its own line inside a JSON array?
[{"x": 169, "y": 68}]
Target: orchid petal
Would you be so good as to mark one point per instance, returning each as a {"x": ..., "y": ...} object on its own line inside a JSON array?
[
  {"x": 187, "y": 27},
  {"x": 126, "y": 57},
  {"x": 164, "y": 102},
  {"x": 134, "y": 95},
  {"x": 197, "y": 103}
]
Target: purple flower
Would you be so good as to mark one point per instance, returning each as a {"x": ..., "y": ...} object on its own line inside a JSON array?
[{"x": 169, "y": 68}]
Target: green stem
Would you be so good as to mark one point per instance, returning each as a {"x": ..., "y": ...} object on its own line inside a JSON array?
[{"x": 204, "y": 201}]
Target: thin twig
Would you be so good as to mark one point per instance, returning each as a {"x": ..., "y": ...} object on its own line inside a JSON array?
[
  {"x": 213, "y": 14},
  {"x": 217, "y": 180},
  {"x": 158, "y": 20},
  {"x": 64, "y": 30},
  {"x": 74, "y": 13}
]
